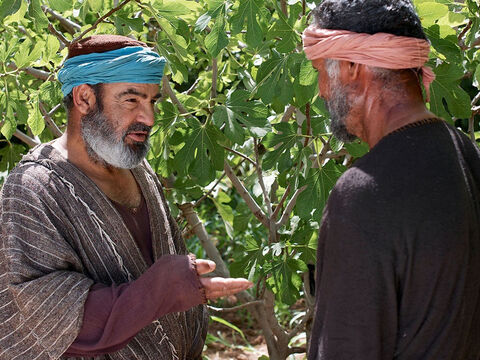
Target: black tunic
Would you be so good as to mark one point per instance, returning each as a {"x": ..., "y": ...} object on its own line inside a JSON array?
[{"x": 398, "y": 273}]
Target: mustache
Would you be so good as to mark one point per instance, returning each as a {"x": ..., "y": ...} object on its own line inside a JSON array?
[{"x": 139, "y": 127}]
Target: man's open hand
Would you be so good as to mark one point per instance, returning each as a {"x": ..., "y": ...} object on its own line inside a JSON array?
[{"x": 216, "y": 287}]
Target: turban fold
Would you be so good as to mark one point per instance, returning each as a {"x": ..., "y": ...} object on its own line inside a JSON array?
[
  {"x": 133, "y": 64},
  {"x": 380, "y": 50}
]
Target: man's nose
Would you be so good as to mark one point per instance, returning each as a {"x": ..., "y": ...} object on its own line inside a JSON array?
[{"x": 146, "y": 115}]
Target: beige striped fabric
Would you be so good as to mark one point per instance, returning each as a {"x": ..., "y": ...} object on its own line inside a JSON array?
[{"x": 59, "y": 235}]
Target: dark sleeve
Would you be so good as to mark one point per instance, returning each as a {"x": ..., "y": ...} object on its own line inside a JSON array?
[
  {"x": 113, "y": 315},
  {"x": 356, "y": 304}
]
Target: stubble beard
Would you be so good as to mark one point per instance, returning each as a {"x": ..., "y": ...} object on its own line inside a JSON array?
[
  {"x": 339, "y": 108},
  {"x": 105, "y": 146}
]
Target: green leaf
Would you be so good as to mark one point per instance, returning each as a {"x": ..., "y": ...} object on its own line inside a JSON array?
[
  {"x": 52, "y": 46},
  {"x": 233, "y": 130},
  {"x": 35, "y": 11},
  {"x": 9, "y": 7},
  {"x": 308, "y": 75},
  {"x": 95, "y": 5},
  {"x": 283, "y": 142},
  {"x": 10, "y": 155},
  {"x": 217, "y": 39},
  {"x": 35, "y": 119},
  {"x": 289, "y": 39},
  {"x": 230, "y": 325},
  {"x": 319, "y": 184},
  {"x": 446, "y": 87},
  {"x": 226, "y": 213},
  {"x": 10, "y": 125},
  {"x": 201, "y": 155},
  {"x": 248, "y": 10},
  {"x": 60, "y": 5},
  {"x": 50, "y": 92},
  {"x": 357, "y": 148},
  {"x": 273, "y": 81},
  {"x": 286, "y": 279},
  {"x": 430, "y": 12},
  {"x": 477, "y": 77},
  {"x": 125, "y": 25}
]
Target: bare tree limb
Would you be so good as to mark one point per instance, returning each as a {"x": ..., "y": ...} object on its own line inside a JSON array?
[
  {"x": 39, "y": 74},
  {"x": 258, "y": 167},
  {"x": 194, "y": 222},
  {"x": 251, "y": 203},
  {"x": 23, "y": 137},
  {"x": 99, "y": 20},
  {"x": 291, "y": 204},
  {"x": 301, "y": 325},
  {"x": 68, "y": 24},
  {"x": 475, "y": 99},
  {"x": 49, "y": 121},
  {"x": 241, "y": 155},
  {"x": 288, "y": 113},
  {"x": 171, "y": 94},
  {"x": 235, "y": 308},
  {"x": 58, "y": 35}
]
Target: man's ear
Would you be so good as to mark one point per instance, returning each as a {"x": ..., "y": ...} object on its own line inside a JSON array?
[
  {"x": 350, "y": 70},
  {"x": 84, "y": 98}
]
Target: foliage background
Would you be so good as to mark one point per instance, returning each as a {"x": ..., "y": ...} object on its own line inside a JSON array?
[{"x": 241, "y": 136}]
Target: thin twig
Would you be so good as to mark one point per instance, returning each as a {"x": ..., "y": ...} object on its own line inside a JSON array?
[
  {"x": 49, "y": 121},
  {"x": 171, "y": 94},
  {"x": 235, "y": 308},
  {"x": 309, "y": 124},
  {"x": 289, "y": 208},
  {"x": 241, "y": 155},
  {"x": 209, "y": 191},
  {"x": 284, "y": 7},
  {"x": 251, "y": 203},
  {"x": 192, "y": 88},
  {"x": 471, "y": 127},
  {"x": 475, "y": 99},
  {"x": 280, "y": 204},
  {"x": 59, "y": 35},
  {"x": 213, "y": 92},
  {"x": 95, "y": 24},
  {"x": 68, "y": 24}
]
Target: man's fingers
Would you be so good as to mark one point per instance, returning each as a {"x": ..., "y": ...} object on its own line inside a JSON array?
[
  {"x": 205, "y": 266},
  {"x": 218, "y": 287}
]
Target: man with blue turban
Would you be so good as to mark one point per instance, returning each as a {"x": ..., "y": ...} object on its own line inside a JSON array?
[{"x": 92, "y": 265}]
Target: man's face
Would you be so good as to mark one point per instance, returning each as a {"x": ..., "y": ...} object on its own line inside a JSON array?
[
  {"x": 335, "y": 95},
  {"x": 116, "y": 131}
]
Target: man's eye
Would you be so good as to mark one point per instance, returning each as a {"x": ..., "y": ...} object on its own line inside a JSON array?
[{"x": 132, "y": 100}]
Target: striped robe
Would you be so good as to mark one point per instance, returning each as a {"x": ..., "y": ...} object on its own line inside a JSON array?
[{"x": 59, "y": 235}]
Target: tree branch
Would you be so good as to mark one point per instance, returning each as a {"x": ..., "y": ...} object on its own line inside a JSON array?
[
  {"x": 192, "y": 88},
  {"x": 213, "y": 92},
  {"x": 59, "y": 36},
  {"x": 291, "y": 204},
  {"x": 260, "y": 178},
  {"x": 47, "y": 116},
  {"x": 280, "y": 204},
  {"x": 301, "y": 325},
  {"x": 199, "y": 229},
  {"x": 23, "y": 137},
  {"x": 241, "y": 155},
  {"x": 209, "y": 191},
  {"x": 288, "y": 113},
  {"x": 475, "y": 99},
  {"x": 168, "y": 90},
  {"x": 251, "y": 203},
  {"x": 235, "y": 308},
  {"x": 95, "y": 24},
  {"x": 69, "y": 25},
  {"x": 39, "y": 74}
]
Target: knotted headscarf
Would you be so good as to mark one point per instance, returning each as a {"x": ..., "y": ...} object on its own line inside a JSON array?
[
  {"x": 380, "y": 50},
  {"x": 134, "y": 64}
]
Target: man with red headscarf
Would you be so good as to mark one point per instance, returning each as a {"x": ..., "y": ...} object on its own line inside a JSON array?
[{"x": 398, "y": 256}]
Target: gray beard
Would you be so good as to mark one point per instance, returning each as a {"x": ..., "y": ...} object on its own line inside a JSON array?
[
  {"x": 103, "y": 145},
  {"x": 339, "y": 108}
]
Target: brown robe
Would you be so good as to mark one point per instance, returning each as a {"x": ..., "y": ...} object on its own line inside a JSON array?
[{"x": 59, "y": 235}]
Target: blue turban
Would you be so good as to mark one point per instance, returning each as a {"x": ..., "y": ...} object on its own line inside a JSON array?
[{"x": 133, "y": 64}]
